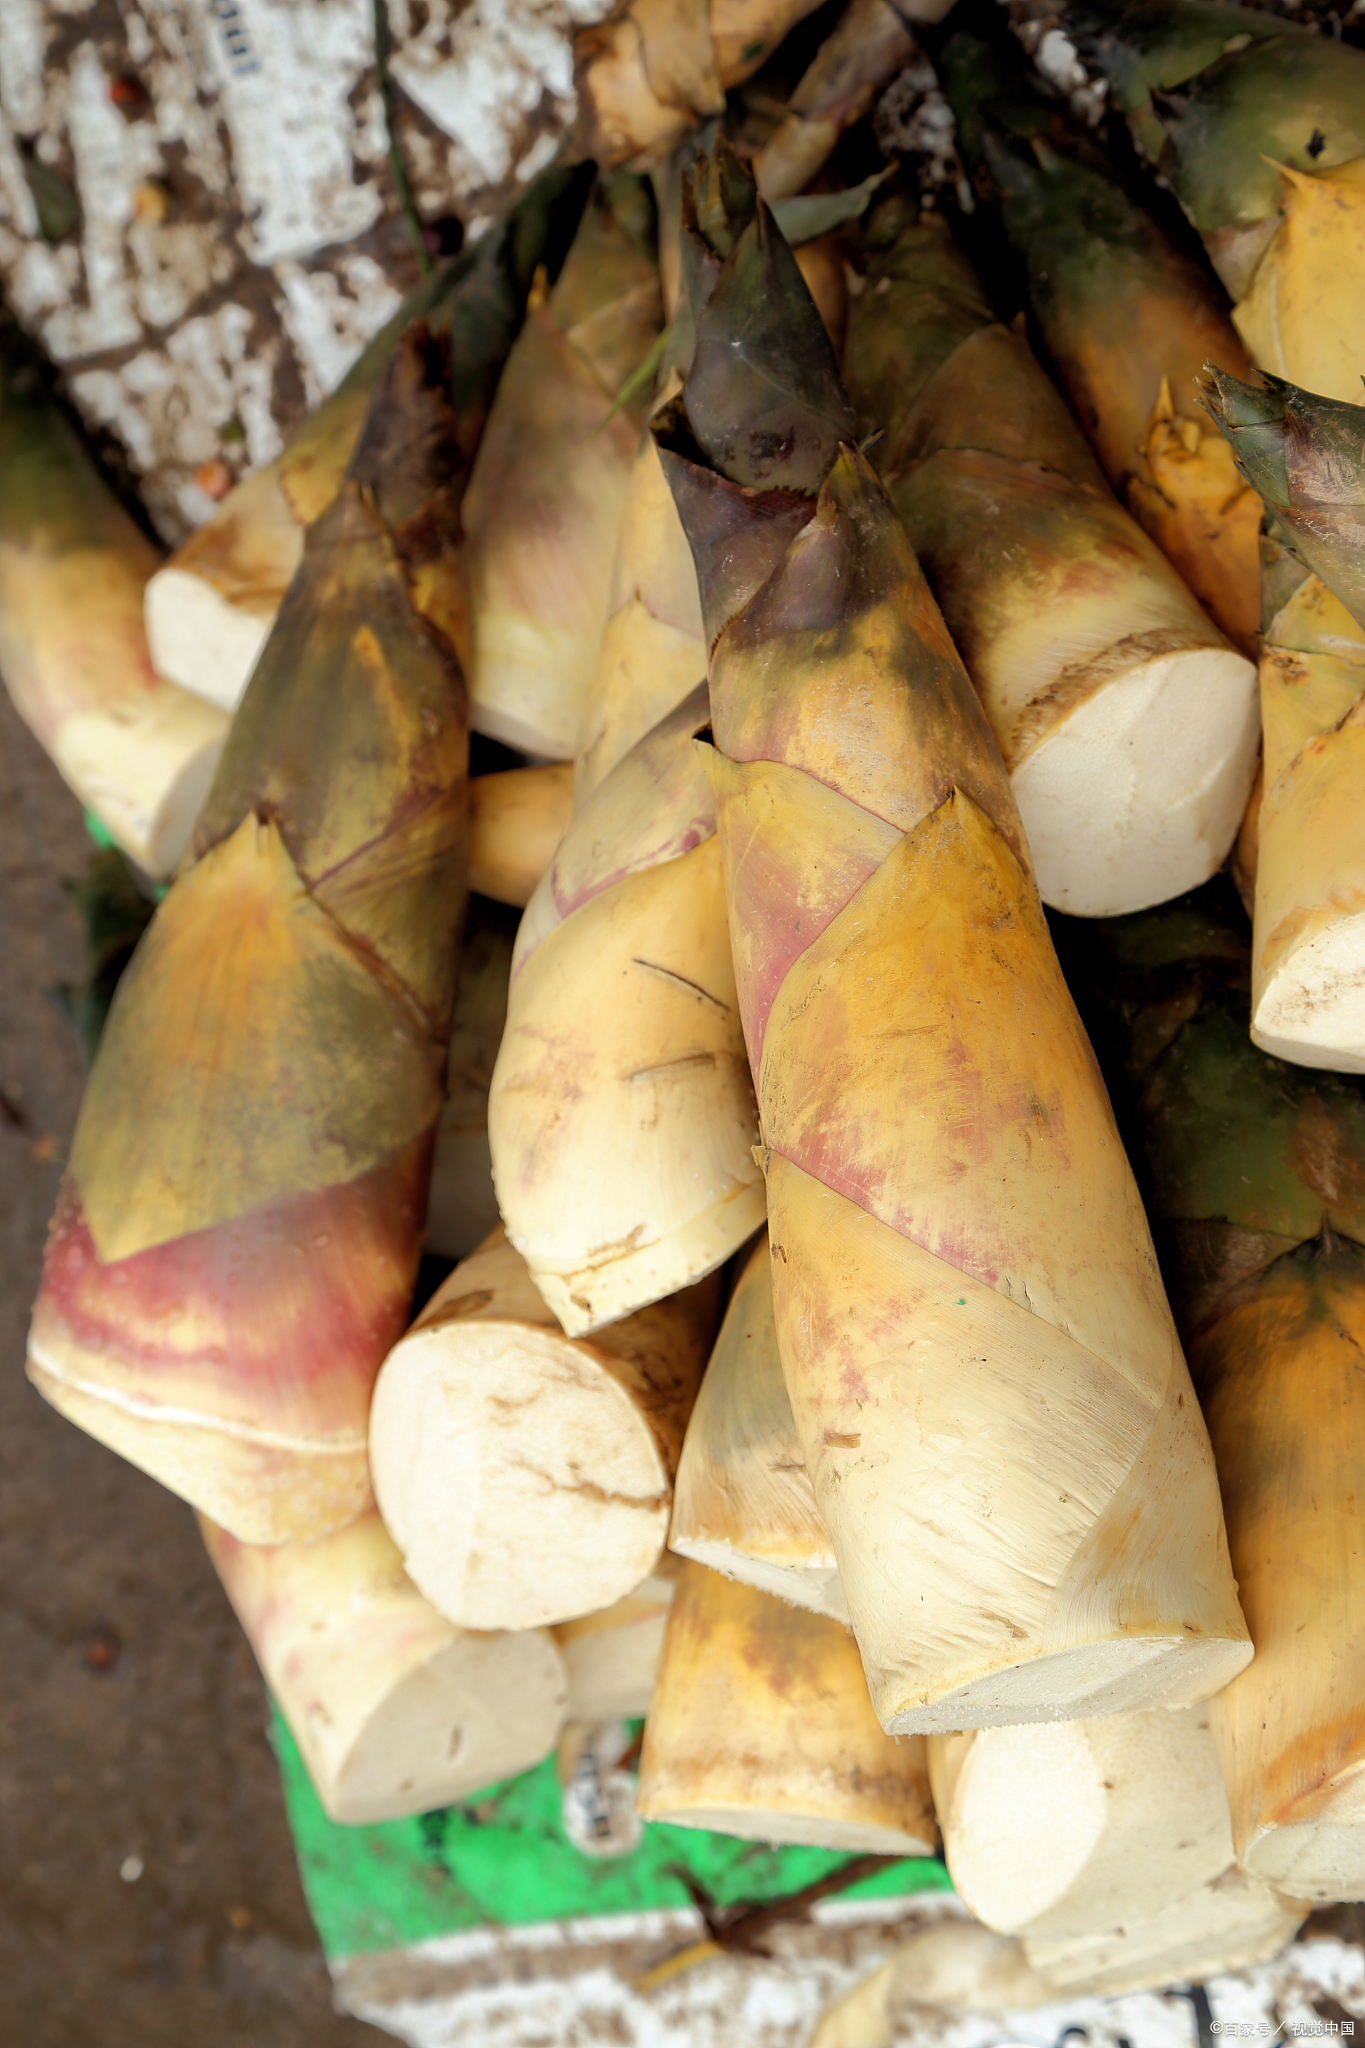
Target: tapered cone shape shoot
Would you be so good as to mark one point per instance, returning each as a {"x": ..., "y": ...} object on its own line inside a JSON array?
[
  {"x": 612, "y": 1657},
  {"x": 1084, "y": 1826},
  {"x": 238, "y": 1228},
  {"x": 394, "y": 1709},
  {"x": 1128, "y": 318},
  {"x": 1256, "y": 1180},
  {"x": 1305, "y": 456},
  {"x": 622, "y": 1115},
  {"x": 462, "y": 1207},
  {"x": 210, "y": 608},
  {"x": 517, "y": 818},
  {"x": 526, "y": 1476},
  {"x": 549, "y": 485},
  {"x": 1127, "y": 723},
  {"x": 138, "y": 752},
  {"x": 761, "y": 1726},
  {"x": 742, "y": 1500},
  {"x": 986, "y": 1383},
  {"x": 1257, "y": 124}
]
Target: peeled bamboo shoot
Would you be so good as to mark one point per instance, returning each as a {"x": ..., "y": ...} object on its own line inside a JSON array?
[
  {"x": 549, "y": 485},
  {"x": 621, "y": 1115},
  {"x": 761, "y": 1726},
  {"x": 526, "y": 1477},
  {"x": 987, "y": 1386},
  {"x": 395, "y": 1710},
  {"x": 1256, "y": 1177},
  {"x": 742, "y": 1500},
  {"x": 238, "y": 1228},
  {"x": 1084, "y": 1826},
  {"x": 1127, "y": 722},
  {"x": 138, "y": 752},
  {"x": 1128, "y": 318}
]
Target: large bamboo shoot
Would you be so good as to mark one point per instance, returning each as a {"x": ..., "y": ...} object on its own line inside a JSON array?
[
  {"x": 137, "y": 751},
  {"x": 395, "y": 1711},
  {"x": 986, "y": 1382},
  {"x": 761, "y": 1726},
  {"x": 1127, "y": 722}
]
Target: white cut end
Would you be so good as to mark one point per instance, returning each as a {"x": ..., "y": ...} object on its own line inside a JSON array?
[
  {"x": 1323, "y": 1858},
  {"x": 479, "y": 1709},
  {"x": 1312, "y": 1009},
  {"x": 805, "y": 1830},
  {"x": 585, "y": 1298},
  {"x": 1124, "y": 1676},
  {"x": 1137, "y": 795},
  {"x": 144, "y": 768},
  {"x": 515, "y": 1474},
  {"x": 815, "y": 1587},
  {"x": 1084, "y": 1825},
  {"x": 199, "y": 640}
]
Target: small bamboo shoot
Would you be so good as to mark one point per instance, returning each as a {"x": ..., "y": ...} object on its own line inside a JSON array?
[{"x": 516, "y": 820}]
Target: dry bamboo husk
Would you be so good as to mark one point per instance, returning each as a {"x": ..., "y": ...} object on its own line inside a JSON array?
[
  {"x": 1127, "y": 722},
  {"x": 239, "y": 1226},
  {"x": 1128, "y": 318},
  {"x": 948, "y": 1202},
  {"x": 1232, "y": 1923},
  {"x": 462, "y": 1207},
  {"x": 548, "y": 488},
  {"x": 138, "y": 752},
  {"x": 517, "y": 818},
  {"x": 210, "y": 608},
  {"x": 742, "y": 1500},
  {"x": 621, "y": 1115},
  {"x": 566, "y": 1511},
  {"x": 395, "y": 1711},
  {"x": 612, "y": 1657},
  {"x": 866, "y": 49},
  {"x": 1257, "y": 124},
  {"x": 1084, "y": 1826},
  {"x": 761, "y": 1726},
  {"x": 1256, "y": 1179}
]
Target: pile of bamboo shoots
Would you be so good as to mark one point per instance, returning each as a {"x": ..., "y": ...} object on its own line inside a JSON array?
[{"x": 746, "y": 1266}]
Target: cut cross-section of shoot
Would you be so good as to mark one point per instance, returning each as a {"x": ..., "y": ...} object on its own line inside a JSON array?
[
  {"x": 526, "y": 1476},
  {"x": 1126, "y": 721},
  {"x": 394, "y": 1709},
  {"x": 742, "y": 1501},
  {"x": 761, "y": 1726}
]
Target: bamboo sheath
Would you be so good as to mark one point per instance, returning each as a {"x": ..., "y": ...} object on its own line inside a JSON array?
[
  {"x": 869, "y": 45},
  {"x": 524, "y": 1475},
  {"x": 1256, "y": 1182},
  {"x": 395, "y": 1711},
  {"x": 1128, "y": 319},
  {"x": 621, "y": 1115},
  {"x": 986, "y": 1383},
  {"x": 1126, "y": 721},
  {"x": 138, "y": 752},
  {"x": 238, "y": 1229},
  {"x": 760, "y": 1726},
  {"x": 742, "y": 1500},
  {"x": 1257, "y": 124},
  {"x": 549, "y": 484}
]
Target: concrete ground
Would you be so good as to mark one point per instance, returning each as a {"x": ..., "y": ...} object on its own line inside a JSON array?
[{"x": 148, "y": 1892}]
